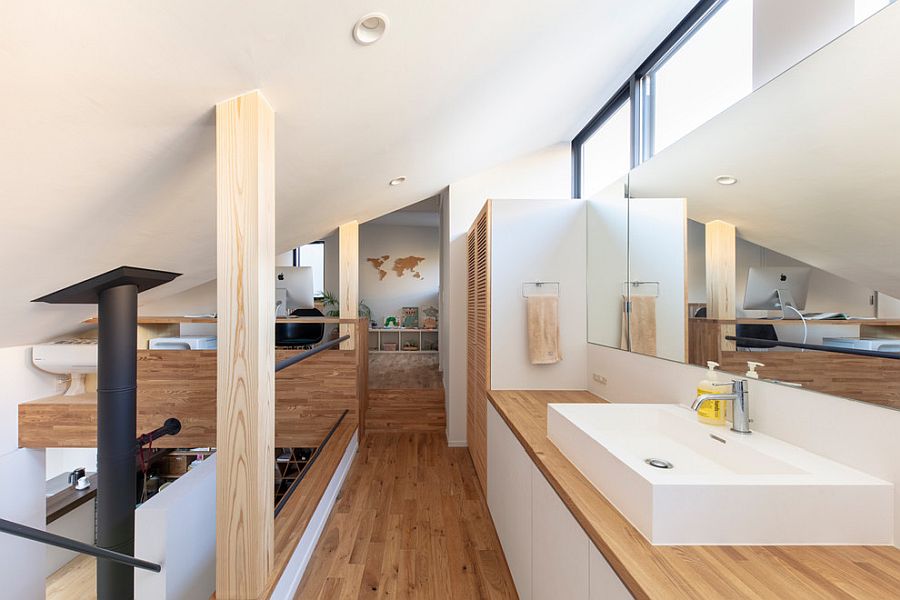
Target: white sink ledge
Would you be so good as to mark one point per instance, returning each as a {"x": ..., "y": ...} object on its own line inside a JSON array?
[{"x": 735, "y": 490}]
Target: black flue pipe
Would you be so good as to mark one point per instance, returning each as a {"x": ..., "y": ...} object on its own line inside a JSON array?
[
  {"x": 115, "y": 292},
  {"x": 116, "y": 432}
]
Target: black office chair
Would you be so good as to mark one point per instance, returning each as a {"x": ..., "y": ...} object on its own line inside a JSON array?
[{"x": 300, "y": 334}]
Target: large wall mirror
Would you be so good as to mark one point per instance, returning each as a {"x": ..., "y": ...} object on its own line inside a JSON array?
[{"x": 776, "y": 221}]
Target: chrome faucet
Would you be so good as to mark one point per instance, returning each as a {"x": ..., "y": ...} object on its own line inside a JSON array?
[{"x": 740, "y": 402}]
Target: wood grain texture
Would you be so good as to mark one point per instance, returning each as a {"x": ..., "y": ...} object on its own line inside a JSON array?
[
  {"x": 691, "y": 572},
  {"x": 406, "y": 410},
  {"x": 75, "y": 580},
  {"x": 478, "y": 338},
  {"x": 348, "y": 264},
  {"x": 309, "y": 397},
  {"x": 721, "y": 267},
  {"x": 292, "y": 521},
  {"x": 873, "y": 380},
  {"x": 245, "y": 432},
  {"x": 176, "y": 320},
  {"x": 410, "y": 522}
]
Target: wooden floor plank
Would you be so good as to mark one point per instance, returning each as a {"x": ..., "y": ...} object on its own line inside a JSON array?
[{"x": 409, "y": 524}]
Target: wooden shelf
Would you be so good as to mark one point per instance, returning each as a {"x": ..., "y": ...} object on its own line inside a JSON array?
[{"x": 176, "y": 320}]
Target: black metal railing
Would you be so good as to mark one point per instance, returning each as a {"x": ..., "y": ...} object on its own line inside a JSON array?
[
  {"x": 284, "y": 364},
  {"x": 51, "y": 539},
  {"x": 818, "y": 347},
  {"x": 312, "y": 459}
]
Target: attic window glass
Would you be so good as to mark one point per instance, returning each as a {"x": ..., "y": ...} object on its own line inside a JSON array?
[
  {"x": 606, "y": 154},
  {"x": 708, "y": 71},
  {"x": 313, "y": 255}
]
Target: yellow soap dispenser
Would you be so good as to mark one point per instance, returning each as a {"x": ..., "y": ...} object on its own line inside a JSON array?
[{"x": 711, "y": 412}]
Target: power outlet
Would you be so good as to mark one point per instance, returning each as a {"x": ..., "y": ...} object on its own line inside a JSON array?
[{"x": 599, "y": 378}]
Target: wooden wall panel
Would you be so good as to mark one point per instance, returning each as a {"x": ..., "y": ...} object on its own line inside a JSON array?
[
  {"x": 875, "y": 380},
  {"x": 310, "y": 397},
  {"x": 478, "y": 339}
]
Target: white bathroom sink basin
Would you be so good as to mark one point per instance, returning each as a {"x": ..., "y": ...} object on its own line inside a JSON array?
[{"x": 723, "y": 487}]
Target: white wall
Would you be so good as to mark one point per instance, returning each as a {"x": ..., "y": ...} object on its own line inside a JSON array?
[
  {"x": 543, "y": 174},
  {"x": 537, "y": 240},
  {"x": 784, "y": 33},
  {"x": 177, "y": 529},
  {"x": 387, "y": 296},
  {"x": 22, "y": 494},
  {"x": 607, "y": 263},
  {"x": 858, "y": 434},
  {"x": 78, "y": 524}
]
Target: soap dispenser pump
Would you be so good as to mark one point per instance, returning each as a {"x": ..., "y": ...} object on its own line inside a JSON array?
[
  {"x": 711, "y": 412},
  {"x": 751, "y": 369}
]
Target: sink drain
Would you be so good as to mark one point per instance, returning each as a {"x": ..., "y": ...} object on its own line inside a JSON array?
[{"x": 659, "y": 463}]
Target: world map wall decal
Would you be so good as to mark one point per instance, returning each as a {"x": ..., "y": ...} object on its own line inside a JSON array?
[{"x": 400, "y": 267}]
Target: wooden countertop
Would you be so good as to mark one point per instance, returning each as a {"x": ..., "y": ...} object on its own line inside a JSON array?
[
  {"x": 176, "y": 320},
  {"x": 691, "y": 572},
  {"x": 67, "y": 500}
]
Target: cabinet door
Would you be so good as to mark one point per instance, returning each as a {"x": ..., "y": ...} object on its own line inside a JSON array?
[
  {"x": 605, "y": 584},
  {"x": 560, "y": 562},
  {"x": 509, "y": 498}
]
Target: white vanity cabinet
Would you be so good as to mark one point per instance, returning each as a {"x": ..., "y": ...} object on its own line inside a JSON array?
[
  {"x": 560, "y": 546},
  {"x": 548, "y": 553},
  {"x": 509, "y": 498}
]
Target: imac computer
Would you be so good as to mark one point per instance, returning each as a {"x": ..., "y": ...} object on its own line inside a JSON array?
[
  {"x": 777, "y": 288},
  {"x": 293, "y": 289}
]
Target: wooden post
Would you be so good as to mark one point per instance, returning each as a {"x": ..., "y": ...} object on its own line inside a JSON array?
[
  {"x": 349, "y": 278},
  {"x": 720, "y": 277},
  {"x": 245, "y": 392}
]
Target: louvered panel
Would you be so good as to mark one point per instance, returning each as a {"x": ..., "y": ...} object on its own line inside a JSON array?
[{"x": 478, "y": 343}]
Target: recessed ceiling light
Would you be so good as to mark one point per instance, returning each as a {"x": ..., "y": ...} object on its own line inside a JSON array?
[
  {"x": 397, "y": 180},
  {"x": 726, "y": 180},
  {"x": 370, "y": 28}
]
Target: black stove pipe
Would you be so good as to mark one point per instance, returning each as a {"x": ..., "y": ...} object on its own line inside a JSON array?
[{"x": 116, "y": 432}]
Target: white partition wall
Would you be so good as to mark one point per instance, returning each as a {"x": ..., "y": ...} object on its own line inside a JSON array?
[{"x": 177, "y": 529}]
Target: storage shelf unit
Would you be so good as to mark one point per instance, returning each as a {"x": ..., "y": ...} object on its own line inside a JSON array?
[{"x": 425, "y": 340}]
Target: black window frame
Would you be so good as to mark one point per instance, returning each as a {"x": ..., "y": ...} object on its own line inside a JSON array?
[{"x": 641, "y": 138}]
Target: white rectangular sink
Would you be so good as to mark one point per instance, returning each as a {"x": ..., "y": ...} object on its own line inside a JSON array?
[{"x": 723, "y": 487}]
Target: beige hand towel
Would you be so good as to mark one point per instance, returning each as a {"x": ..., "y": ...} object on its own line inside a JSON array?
[
  {"x": 543, "y": 330},
  {"x": 643, "y": 325}
]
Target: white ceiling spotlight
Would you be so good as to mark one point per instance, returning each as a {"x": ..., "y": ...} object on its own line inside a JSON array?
[
  {"x": 726, "y": 180},
  {"x": 397, "y": 181},
  {"x": 370, "y": 28}
]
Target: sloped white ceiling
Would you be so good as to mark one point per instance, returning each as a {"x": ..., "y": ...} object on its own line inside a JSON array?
[
  {"x": 816, "y": 155},
  {"x": 107, "y": 153}
]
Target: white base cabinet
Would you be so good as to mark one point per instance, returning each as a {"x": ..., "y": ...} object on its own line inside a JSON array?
[
  {"x": 509, "y": 498},
  {"x": 549, "y": 555}
]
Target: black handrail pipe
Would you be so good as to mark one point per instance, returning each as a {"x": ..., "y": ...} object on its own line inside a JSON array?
[
  {"x": 172, "y": 426},
  {"x": 817, "y": 347},
  {"x": 51, "y": 539},
  {"x": 283, "y": 364}
]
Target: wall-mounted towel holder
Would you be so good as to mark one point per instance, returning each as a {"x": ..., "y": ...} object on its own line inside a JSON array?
[
  {"x": 640, "y": 288},
  {"x": 540, "y": 288}
]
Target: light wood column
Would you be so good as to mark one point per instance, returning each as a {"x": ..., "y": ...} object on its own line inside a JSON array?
[
  {"x": 720, "y": 276},
  {"x": 348, "y": 235},
  {"x": 245, "y": 382}
]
